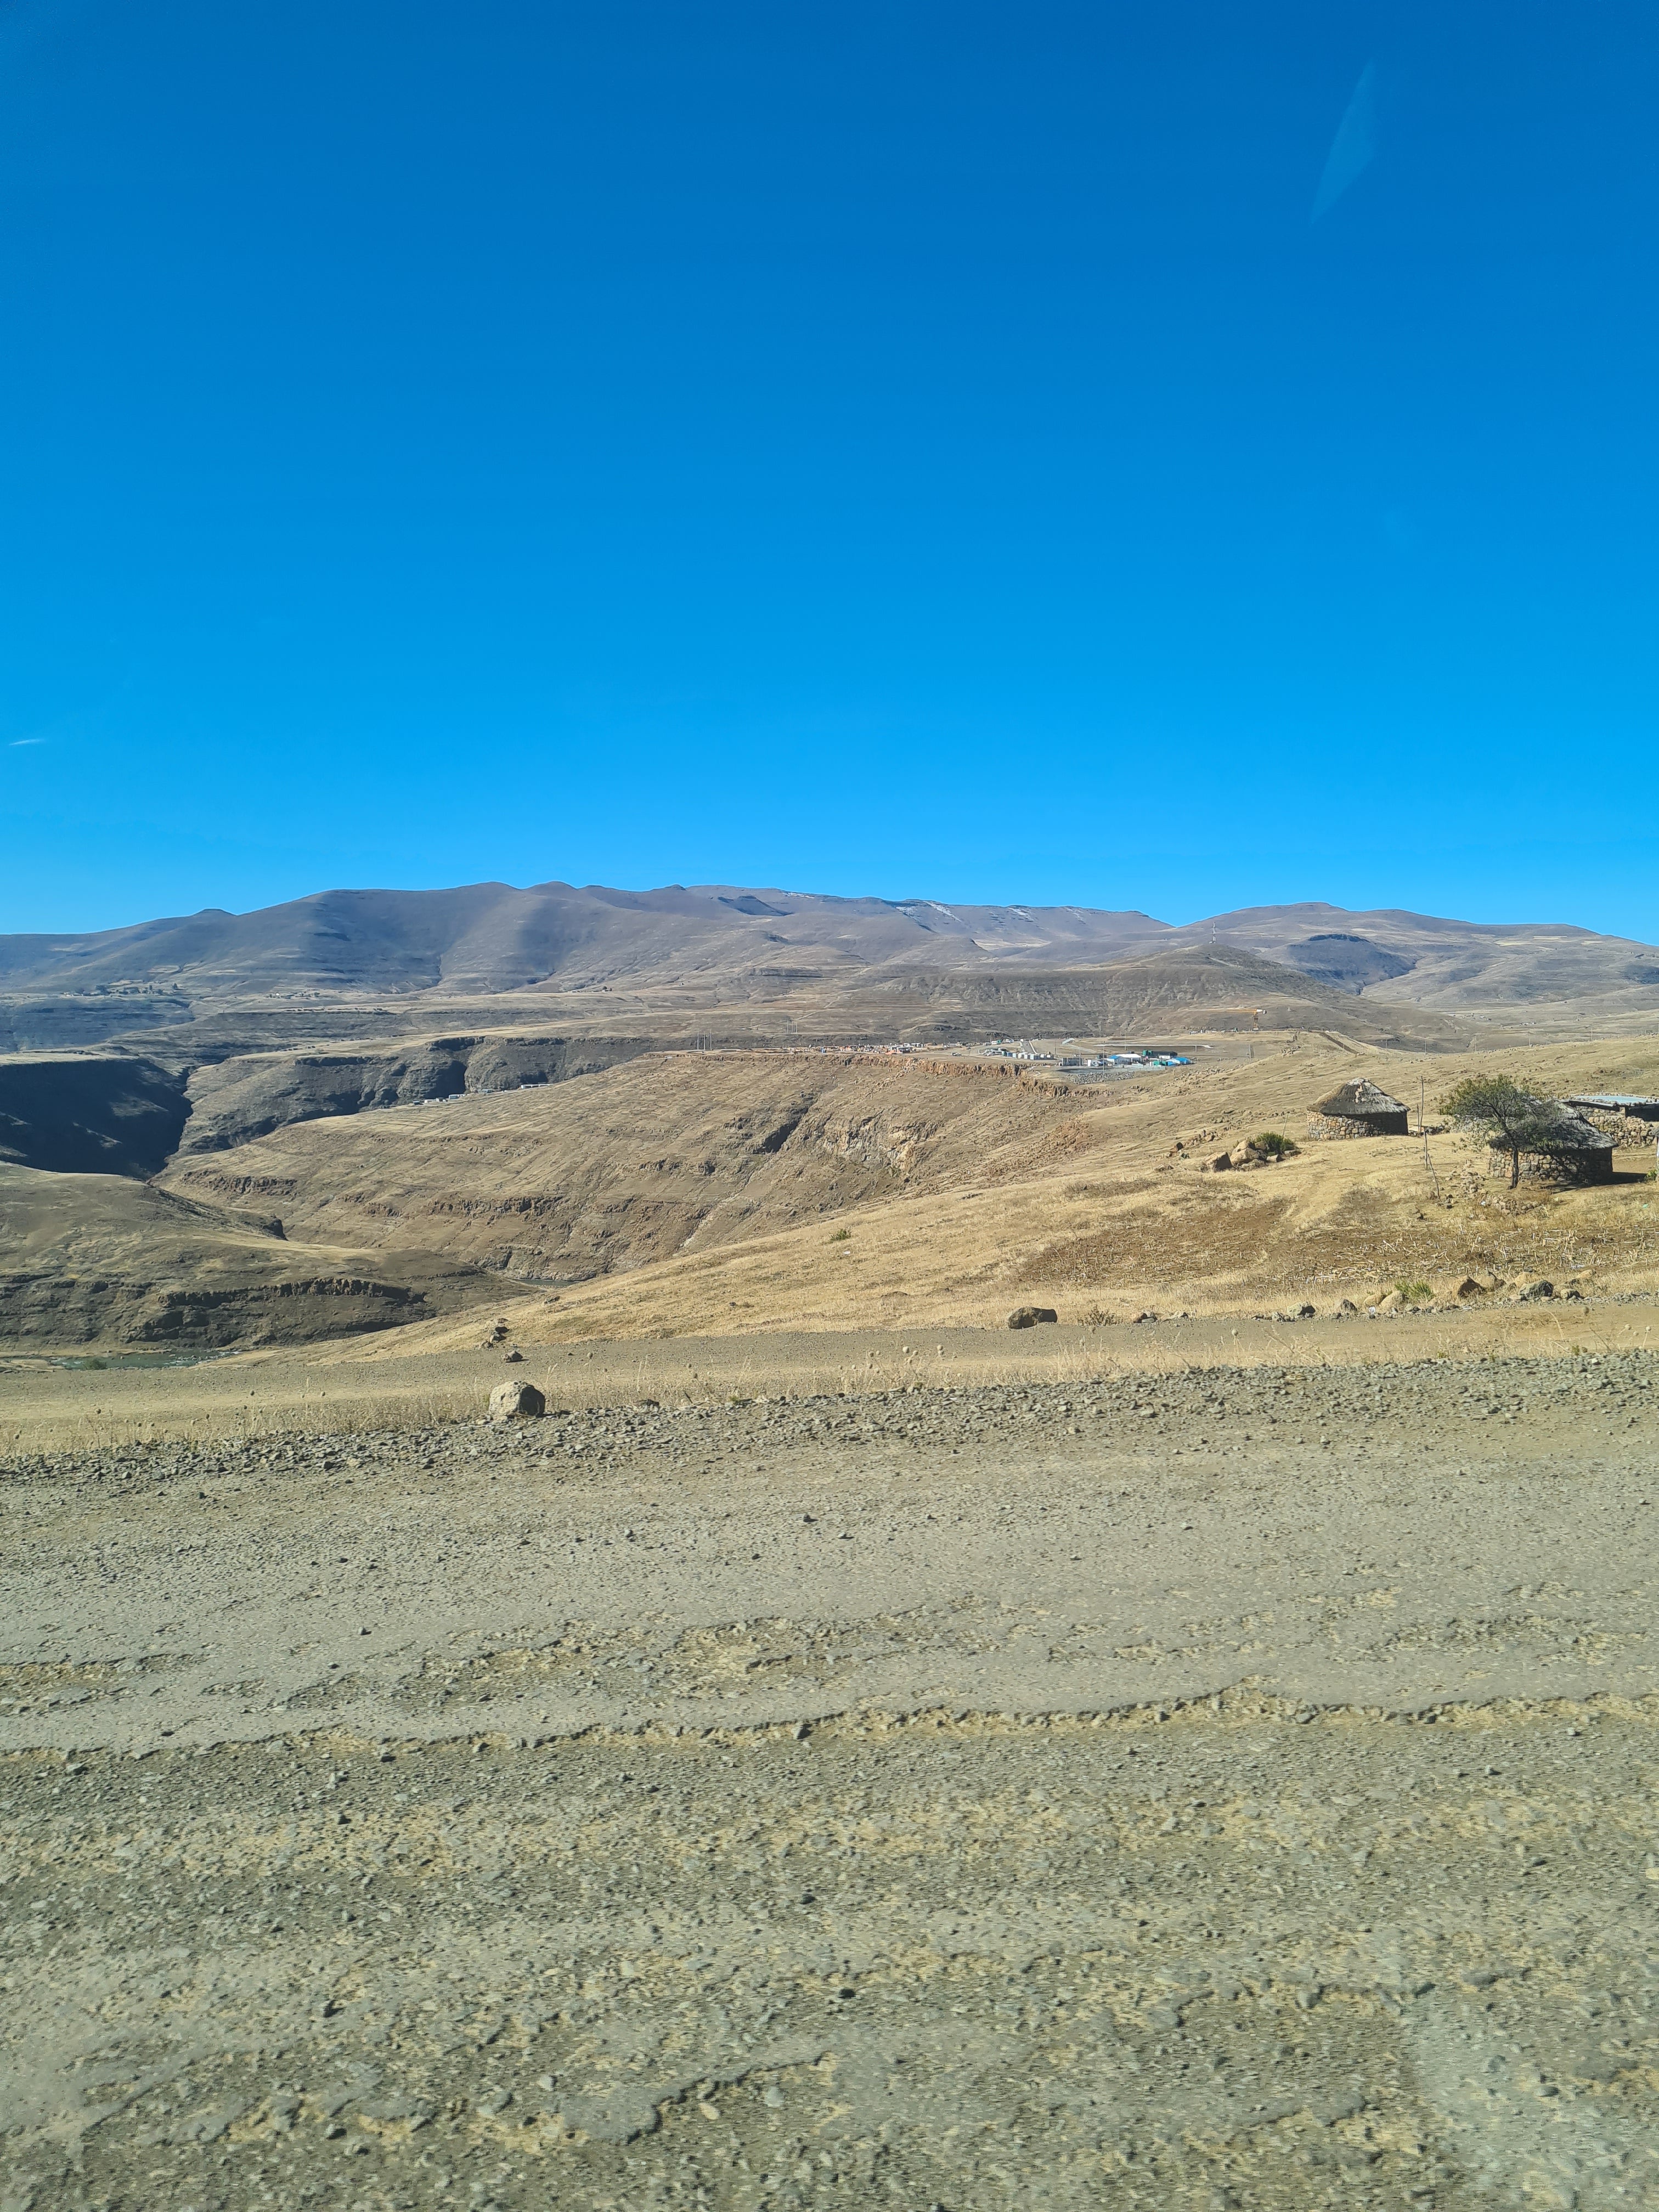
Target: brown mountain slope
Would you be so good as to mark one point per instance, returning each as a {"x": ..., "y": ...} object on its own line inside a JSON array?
[
  {"x": 681, "y": 1191},
  {"x": 102, "y": 1258},
  {"x": 1504, "y": 968},
  {"x": 1193, "y": 988},
  {"x": 1092, "y": 1202},
  {"x": 493, "y": 938},
  {"x": 342, "y": 965},
  {"x": 1215, "y": 988},
  {"x": 671, "y": 1152}
]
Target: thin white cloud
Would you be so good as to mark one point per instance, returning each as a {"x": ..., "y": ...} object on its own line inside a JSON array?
[
  {"x": 26, "y": 741},
  {"x": 1354, "y": 147}
]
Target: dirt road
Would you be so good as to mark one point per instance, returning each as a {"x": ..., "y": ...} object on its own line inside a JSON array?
[{"x": 1209, "y": 1788}]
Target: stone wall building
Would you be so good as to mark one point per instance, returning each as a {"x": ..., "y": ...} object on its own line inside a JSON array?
[
  {"x": 1358, "y": 1109},
  {"x": 1578, "y": 1153},
  {"x": 1629, "y": 1120}
]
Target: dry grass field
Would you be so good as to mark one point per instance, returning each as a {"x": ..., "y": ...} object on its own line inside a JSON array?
[
  {"x": 100, "y": 1261},
  {"x": 818, "y": 1216},
  {"x": 724, "y": 1192}
]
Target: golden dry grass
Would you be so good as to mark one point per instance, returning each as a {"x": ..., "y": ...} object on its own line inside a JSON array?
[
  {"x": 394, "y": 1384},
  {"x": 914, "y": 1207},
  {"x": 1078, "y": 1199}
]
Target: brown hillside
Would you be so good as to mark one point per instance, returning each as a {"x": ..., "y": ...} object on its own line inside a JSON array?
[
  {"x": 695, "y": 1191},
  {"x": 102, "y": 1260},
  {"x": 349, "y": 965},
  {"x": 640, "y": 1162}
]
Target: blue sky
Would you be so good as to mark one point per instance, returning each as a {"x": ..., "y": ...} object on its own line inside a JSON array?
[{"x": 899, "y": 448}]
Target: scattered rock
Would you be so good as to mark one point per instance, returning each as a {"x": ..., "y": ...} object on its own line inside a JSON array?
[
  {"x": 1536, "y": 1291},
  {"x": 516, "y": 1401},
  {"x": 515, "y": 1358},
  {"x": 1304, "y": 1313},
  {"x": 1220, "y": 1165},
  {"x": 1145, "y": 1316},
  {"x": 1029, "y": 1317},
  {"x": 1346, "y": 1306},
  {"x": 1470, "y": 1287}
]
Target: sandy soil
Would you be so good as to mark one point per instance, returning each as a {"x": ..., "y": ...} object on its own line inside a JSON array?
[{"x": 1212, "y": 1786}]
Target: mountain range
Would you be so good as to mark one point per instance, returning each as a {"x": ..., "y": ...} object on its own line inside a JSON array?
[{"x": 557, "y": 946}]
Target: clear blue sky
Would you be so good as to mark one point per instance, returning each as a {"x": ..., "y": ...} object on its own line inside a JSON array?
[{"x": 885, "y": 447}]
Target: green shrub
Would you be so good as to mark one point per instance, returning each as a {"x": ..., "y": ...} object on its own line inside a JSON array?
[
  {"x": 841, "y": 1237},
  {"x": 1414, "y": 1294},
  {"x": 1276, "y": 1145}
]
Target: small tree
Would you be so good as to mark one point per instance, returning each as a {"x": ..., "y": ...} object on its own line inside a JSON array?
[{"x": 1510, "y": 1115}]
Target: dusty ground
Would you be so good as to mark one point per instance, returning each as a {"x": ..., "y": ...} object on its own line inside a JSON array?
[{"x": 1217, "y": 1786}]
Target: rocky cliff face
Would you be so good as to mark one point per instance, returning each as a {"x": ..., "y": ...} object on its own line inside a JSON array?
[
  {"x": 238, "y": 1101},
  {"x": 106, "y": 1260},
  {"x": 90, "y": 1115}
]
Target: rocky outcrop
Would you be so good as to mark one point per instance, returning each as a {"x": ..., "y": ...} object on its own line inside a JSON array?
[
  {"x": 241, "y": 1099},
  {"x": 516, "y": 1401}
]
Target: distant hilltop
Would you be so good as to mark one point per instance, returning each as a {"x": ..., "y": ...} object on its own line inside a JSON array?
[{"x": 721, "y": 944}]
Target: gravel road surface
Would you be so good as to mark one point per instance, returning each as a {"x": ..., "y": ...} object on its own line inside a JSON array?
[{"x": 1233, "y": 1788}]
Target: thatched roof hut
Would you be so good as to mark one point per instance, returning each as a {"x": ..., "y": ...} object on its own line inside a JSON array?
[
  {"x": 1576, "y": 1153},
  {"x": 1357, "y": 1109}
]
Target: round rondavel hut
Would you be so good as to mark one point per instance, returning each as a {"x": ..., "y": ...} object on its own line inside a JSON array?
[
  {"x": 1574, "y": 1152},
  {"x": 1358, "y": 1109}
]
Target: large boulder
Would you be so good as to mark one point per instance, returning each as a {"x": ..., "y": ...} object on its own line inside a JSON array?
[
  {"x": 1029, "y": 1317},
  {"x": 516, "y": 1401}
]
